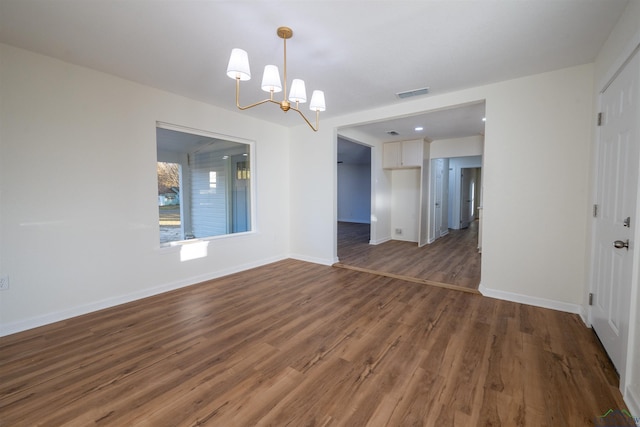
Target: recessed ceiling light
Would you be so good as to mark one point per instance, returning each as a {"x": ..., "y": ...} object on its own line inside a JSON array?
[
  {"x": 484, "y": 119},
  {"x": 418, "y": 128}
]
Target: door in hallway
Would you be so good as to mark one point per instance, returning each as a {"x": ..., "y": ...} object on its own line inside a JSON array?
[
  {"x": 466, "y": 191},
  {"x": 617, "y": 184}
]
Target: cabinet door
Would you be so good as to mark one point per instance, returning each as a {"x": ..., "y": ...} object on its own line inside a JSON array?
[
  {"x": 411, "y": 154},
  {"x": 391, "y": 155}
]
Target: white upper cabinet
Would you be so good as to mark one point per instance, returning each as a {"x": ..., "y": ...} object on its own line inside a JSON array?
[
  {"x": 402, "y": 154},
  {"x": 391, "y": 155}
]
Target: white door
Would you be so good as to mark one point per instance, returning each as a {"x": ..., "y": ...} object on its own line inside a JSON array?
[
  {"x": 618, "y": 157},
  {"x": 465, "y": 197},
  {"x": 439, "y": 170}
]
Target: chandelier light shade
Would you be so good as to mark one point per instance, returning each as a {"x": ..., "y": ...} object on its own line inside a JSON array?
[
  {"x": 317, "y": 101},
  {"x": 298, "y": 92},
  {"x": 271, "y": 79},
  {"x": 238, "y": 69}
]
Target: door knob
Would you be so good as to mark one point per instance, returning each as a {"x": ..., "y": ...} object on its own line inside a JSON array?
[{"x": 619, "y": 244}]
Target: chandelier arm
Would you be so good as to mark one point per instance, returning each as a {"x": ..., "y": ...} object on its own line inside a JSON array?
[
  {"x": 255, "y": 104},
  {"x": 315, "y": 129},
  {"x": 251, "y": 105}
]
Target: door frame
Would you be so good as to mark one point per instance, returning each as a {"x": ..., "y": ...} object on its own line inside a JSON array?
[
  {"x": 372, "y": 181},
  {"x": 438, "y": 220}
]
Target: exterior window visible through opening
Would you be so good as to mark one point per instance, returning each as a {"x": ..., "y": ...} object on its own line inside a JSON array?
[
  {"x": 213, "y": 179},
  {"x": 204, "y": 185},
  {"x": 169, "y": 201}
]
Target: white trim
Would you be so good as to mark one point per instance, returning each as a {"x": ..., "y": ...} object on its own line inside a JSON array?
[
  {"x": 202, "y": 132},
  {"x": 616, "y": 67},
  {"x": 379, "y": 241},
  {"x": 633, "y": 403},
  {"x": 314, "y": 260},
  {"x": 585, "y": 315},
  {"x": 45, "y": 319},
  {"x": 529, "y": 300}
]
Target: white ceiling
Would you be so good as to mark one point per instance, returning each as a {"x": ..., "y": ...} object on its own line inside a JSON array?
[
  {"x": 361, "y": 53},
  {"x": 454, "y": 122}
]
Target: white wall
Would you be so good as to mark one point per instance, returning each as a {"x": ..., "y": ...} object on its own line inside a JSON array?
[
  {"x": 381, "y": 195},
  {"x": 457, "y": 147},
  {"x": 354, "y": 192},
  {"x": 79, "y": 218},
  {"x": 622, "y": 41},
  {"x": 536, "y": 123}
]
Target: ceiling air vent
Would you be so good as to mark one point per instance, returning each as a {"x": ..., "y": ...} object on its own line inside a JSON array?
[
  {"x": 393, "y": 133},
  {"x": 414, "y": 92}
]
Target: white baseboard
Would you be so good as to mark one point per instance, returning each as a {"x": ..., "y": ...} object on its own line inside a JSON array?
[
  {"x": 529, "y": 300},
  {"x": 633, "y": 403},
  {"x": 379, "y": 241},
  {"x": 45, "y": 319},
  {"x": 321, "y": 261},
  {"x": 584, "y": 315}
]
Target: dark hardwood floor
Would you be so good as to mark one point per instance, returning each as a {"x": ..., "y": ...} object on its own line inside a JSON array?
[
  {"x": 451, "y": 260},
  {"x": 300, "y": 344}
]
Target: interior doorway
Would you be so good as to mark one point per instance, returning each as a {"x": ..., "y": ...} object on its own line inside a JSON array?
[
  {"x": 456, "y": 194},
  {"x": 354, "y": 186}
]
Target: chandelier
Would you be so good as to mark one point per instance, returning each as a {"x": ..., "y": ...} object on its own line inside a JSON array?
[{"x": 238, "y": 69}]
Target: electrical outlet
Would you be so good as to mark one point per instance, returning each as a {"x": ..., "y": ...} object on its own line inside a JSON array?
[
  {"x": 4, "y": 283},
  {"x": 399, "y": 231}
]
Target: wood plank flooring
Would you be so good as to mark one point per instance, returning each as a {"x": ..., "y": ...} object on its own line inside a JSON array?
[
  {"x": 300, "y": 344},
  {"x": 451, "y": 260}
]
